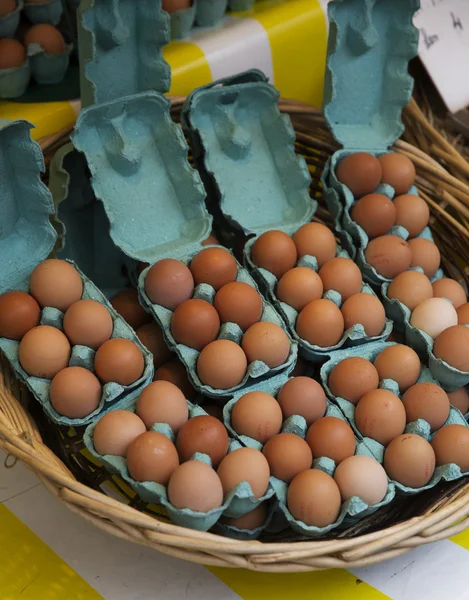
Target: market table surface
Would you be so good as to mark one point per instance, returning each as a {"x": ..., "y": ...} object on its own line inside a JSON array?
[{"x": 47, "y": 553}]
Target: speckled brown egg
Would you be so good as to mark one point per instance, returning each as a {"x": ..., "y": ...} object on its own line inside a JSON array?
[
  {"x": 44, "y": 351},
  {"x": 215, "y": 266},
  {"x": 75, "y": 392},
  {"x": 152, "y": 338},
  {"x": 398, "y": 171},
  {"x": 450, "y": 289},
  {"x": 196, "y": 486},
  {"x": 360, "y": 172},
  {"x": 425, "y": 254},
  {"x": 412, "y": 212},
  {"x": 287, "y": 454},
  {"x": 19, "y": 313},
  {"x": 302, "y": 396},
  {"x": 426, "y": 401},
  {"x": 115, "y": 431},
  {"x": 299, "y": 286},
  {"x": 48, "y": 37},
  {"x": 411, "y": 288},
  {"x": 7, "y": 7},
  {"x": 245, "y": 464},
  {"x": 274, "y": 251},
  {"x": 315, "y": 239},
  {"x": 364, "y": 309},
  {"x": 56, "y": 283},
  {"x": 321, "y": 323},
  {"x": 331, "y": 437},
  {"x": 313, "y": 498},
  {"x": 195, "y": 323},
  {"x": 410, "y": 460},
  {"x": 88, "y": 323},
  {"x": 266, "y": 342},
  {"x": 12, "y": 54},
  {"x": 352, "y": 378},
  {"x": 152, "y": 457},
  {"x": 389, "y": 255},
  {"x": 452, "y": 346},
  {"x": 175, "y": 372},
  {"x": 169, "y": 283},
  {"x": 222, "y": 365},
  {"x": 257, "y": 415},
  {"x": 203, "y": 434},
  {"x": 239, "y": 303},
  {"x": 460, "y": 399},
  {"x": 375, "y": 213},
  {"x": 451, "y": 446},
  {"x": 120, "y": 361},
  {"x": 342, "y": 275},
  {"x": 162, "y": 402},
  {"x": 399, "y": 363},
  {"x": 127, "y": 305},
  {"x": 380, "y": 415}
]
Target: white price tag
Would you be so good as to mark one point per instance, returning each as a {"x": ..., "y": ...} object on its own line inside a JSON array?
[{"x": 444, "y": 48}]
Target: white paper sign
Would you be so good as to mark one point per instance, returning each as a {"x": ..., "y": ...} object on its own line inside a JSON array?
[{"x": 444, "y": 48}]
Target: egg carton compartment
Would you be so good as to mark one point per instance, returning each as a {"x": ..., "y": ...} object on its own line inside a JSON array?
[
  {"x": 14, "y": 81},
  {"x": 210, "y": 12},
  {"x": 240, "y": 5},
  {"x": 46, "y": 12},
  {"x": 352, "y": 337},
  {"x": 48, "y": 68},
  {"x": 244, "y": 148},
  {"x": 9, "y": 23},
  {"x": 226, "y": 530},
  {"x": 182, "y": 21},
  {"x": 128, "y": 33},
  {"x": 257, "y": 370}
]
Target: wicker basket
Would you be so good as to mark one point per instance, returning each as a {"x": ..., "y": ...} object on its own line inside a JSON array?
[{"x": 440, "y": 513}]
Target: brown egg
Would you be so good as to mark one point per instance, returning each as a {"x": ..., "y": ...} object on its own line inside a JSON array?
[
  {"x": 399, "y": 363},
  {"x": 48, "y": 37},
  {"x": 460, "y": 400},
  {"x": 203, "y": 434},
  {"x": 397, "y": 171},
  {"x": 168, "y": 283},
  {"x": 411, "y": 288},
  {"x": 174, "y": 372},
  {"x": 389, "y": 255},
  {"x": 162, "y": 402},
  {"x": 195, "y": 323},
  {"x": 287, "y": 455},
  {"x": 251, "y": 520},
  {"x": 463, "y": 314},
  {"x": 274, "y": 251},
  {"x": 364, "y": 309},
  {"x": 450, "y": 289},
  {"x": 302, "y": 396},
  {"x": 266, "y": 342},
  {"x": 152, "y": 457},
  {"x": 12, "y": 53},
  {"x": 434, "y": 316},
  {"x": 196, "y": 486},
  {"x": 239, "y": 303},
  {"x": 360, "y": 172},
  {"x": 320, "y": 323},
  {"x": 425, "y": 254},
  {"x": 75, "y": 392},
  {"x": 331, "y": 437},
  {"x": 152, "y": 338},
  {"x": 426, "y": 401},
  {"x": 127, "y": 305},
  {"x": 314, "y": 498},
  {"x": 352, "y": 378},
  {"x": 412, "y": 212},
  {"x": 452, "y": 346},
  {"x": 19, "y": 313},
  {"x": 222, "y": 365},
  {"x": 115, "y": 431},
  {"x": 315, "y": 239},
  {"x": 245, "y": 464},
  {"x": 343, "y": 276},
  {"x": 257, "y": 415},
  {"x": 7, "y": 7},
  {"x": 380, "y": 415},
  {"x": 171, "y": 6},
  {"x": 56, "y": 283},
  {"x": 215, "y": 266},
  {"x": 211, "y": 240},
  {"x": 119, "y": 361},
  {"x": 451, "y": 446},
  {"x": 88, "y": 323},
  {"x": 375, "y": 213},
  {"x": 361, "y": 476},
  {"x": 44, "y": 351},
  {"x": 410, "y": 460},
  {"x": 299, "y": 286}
]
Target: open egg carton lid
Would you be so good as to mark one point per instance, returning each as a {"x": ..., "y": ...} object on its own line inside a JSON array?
[{"x": 244, "y": 148}]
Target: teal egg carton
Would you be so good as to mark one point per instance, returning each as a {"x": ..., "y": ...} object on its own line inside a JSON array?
[
  {"x": 9, "y": 23},
  {"x": 210, "y": 12},
  {"x": 241, "y": 5},
  {"x": 46, "y": 68},
  {"x": 244, "y": 148},
  {"x": 14, "y": 82},
  {"x": 182, "y": 21},
  {"x": 237, "y": 503},
  {"x": 47, "y": 12},
  {"x": 449, "y": 472},
  {"x": 226, "y": 530},
  {"x": 354, "y": 336},
  {"x": 120, "y": 47},
  {"x": 367, "y": 86}
]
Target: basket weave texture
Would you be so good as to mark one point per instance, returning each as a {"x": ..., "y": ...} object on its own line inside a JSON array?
[{"x": 443, "y": 181}]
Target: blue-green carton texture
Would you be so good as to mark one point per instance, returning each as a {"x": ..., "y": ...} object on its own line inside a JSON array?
[
  {"x": 47, "y": 12},
  {"x": 120, "y": 47},
  {"x": 210, "y": 12},
  {"x": 241, "y": 5},
  {"x": 46, "y": 68},
  {"x": 182, "y": 21},
  {"x": 9, "y": 23},
  {"x": 14, "y": 82}
]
